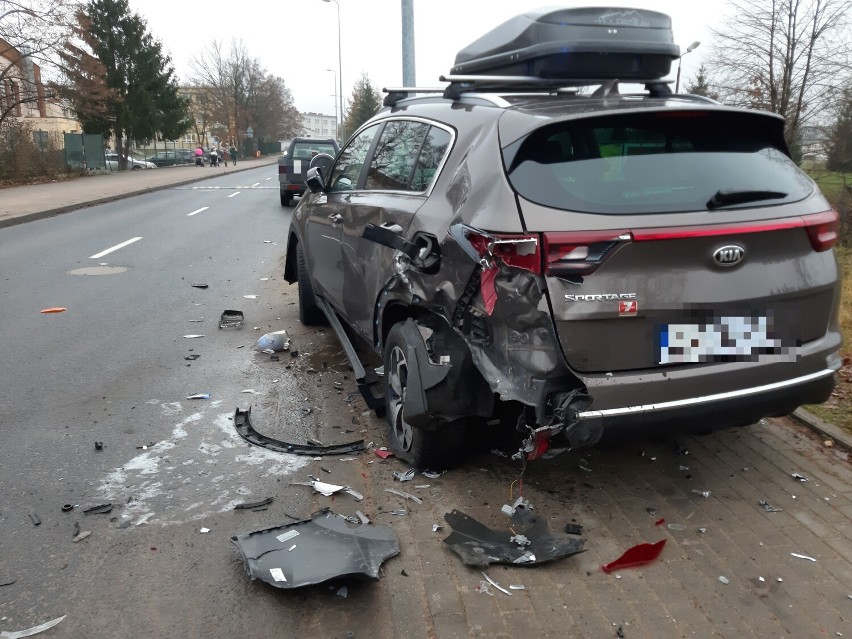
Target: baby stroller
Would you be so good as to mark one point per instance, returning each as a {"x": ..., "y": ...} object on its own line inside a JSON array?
[{"x": 214, "y": 158}]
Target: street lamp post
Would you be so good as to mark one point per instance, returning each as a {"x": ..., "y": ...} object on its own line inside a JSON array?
[
  {"x": 689, "y": 49},
  {"x": 336, "y": 123},
  {"x": 339, "y": 63}
]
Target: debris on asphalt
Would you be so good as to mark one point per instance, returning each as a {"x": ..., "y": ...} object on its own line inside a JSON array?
[
  {"x": 328, "y": 548},
  {"x": 67, "y": 508},
  {"x": 362, "y": 517},
  {"x": 199, "y": 396},
  {"x": 404, "y": 495},
  {"x": 495, "y": 584},
  {"x": 250, "y": 297},
  {"x": 383, "y": 452},
  {"x": 204, "y": 530},
  {"x": 192, "y": 336},
  {"x": 723, "y": 579},
  {"x": 769, "y": 507},
  {"x": 408, "y": 475},
  {"x": 508, "y": 510},
  {"x": 199, "y": 285},
  {"x": 35, "y": 519},
  {"x": 399, "y": 512},
  {"x": 251, "y": 505},
  {"x": 636, "y": 556},
  {"x": 676, "y": 527},
  {"x": 828, "y": 443},
  {"x": 436, "y": 527},
  {"x": 192, "y": 357},
  {"x": 431, "y": 474},
  {"x": 231, "y": 319},
  {"x": 242, "y": 422},
  {"x": 146, "y": 446},
  {"x": 799, "y": 477},
  {"x": 29, "y": 632},
  {"x": 328, "y": 489},
  {"x": 99, "y": 445},
  {"x": 479, "y": 546},
  {"x": 81, "y": 536},
  {"x": 57, "y": 309},
  {"x": 574, "y": 529},
  {"x": 795, "y": 554},
  {"x": 276, "y": 341},
  {"x": 704, "y": 493},
  {"x": 100, "y": 509},
  {"x": 144, "y": 519},
  {"x": 343, "y": 591},
  {"x": 517, "y": 587},
  {"x": 7, "y": 582},
  {"x": 651, "y": 510}
]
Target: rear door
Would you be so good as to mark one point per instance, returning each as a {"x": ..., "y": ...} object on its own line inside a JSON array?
[{"x": 676, "y": 237}]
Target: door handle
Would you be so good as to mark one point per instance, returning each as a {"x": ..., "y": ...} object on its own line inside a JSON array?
[{"x": 336, "y": 218}]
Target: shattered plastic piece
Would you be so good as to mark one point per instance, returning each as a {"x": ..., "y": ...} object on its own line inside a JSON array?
[
  {"x": 275, "y": 341},
  {"x": 343, "y": 592},
  {"x": 495, "y": 584},
  {"x": 383, "y": 452},
  {"x": 399, "y": 511},
  {"x": 517, "y": 587},
  {"x": 250, "y": 297},
  {"x": 199, "y": 396},
  {"x": 249, "y": 391},
  {"x": 329, "y": 489},
  {"x": 408, "y": 475},
  {"x": 29, "y": 632},
  {"x": 638, "y": 555},
  {"x": 521, "y": 540},
  {"x": 204, "y": 530},
  {"x": 144, "y": 519},
  {"x": 231, "y": 319},
  {"x": 704, "y": 493},
  {"x": 620, "y": 633},
  {"x": 57, "y": 309},
  {"x": 506, "y": 509},
  {"x": 99, "y": 445},
  {"x": 199, "y": 285},
  {"x": 35, "y": 519},
  {"x": 676, "y": 527},
  {"x": 479, "y": 546},
  {"x": 329, "y": 548},
  {"x": 651, "y": 510},
  {"x": 702, "y": 530},
  {"x": 192, "y": 336},
  {"x": 362, "y": 517},
  {"x": 192, "y": 357},
  {"x": 242, "y": 423},
  {"x": 799, "y": 477},
  {"x": 100, "y": 509},
  {"x": 724, "y": 579},
  {"x": 251, "y": 505},
  {"x": 769, "y": 507},
  {"x": 574, "y": 529},
  {"x": 436, "y": 527},
  {"x": 795, "y": 554},
  {"x": 81, "y": 536},
  {"x": 404, "y": 495},
  {"x": 431, "y": 474}
]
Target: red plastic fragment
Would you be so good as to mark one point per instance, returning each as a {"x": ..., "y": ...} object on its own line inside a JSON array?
[
  {"x": 541, "y": 444},
  {"x": 660, "y": 521},
  {"x": 636, "y": 556},
  {"x": 384, "y": 453},
  {"x": 489, "y": 292}
]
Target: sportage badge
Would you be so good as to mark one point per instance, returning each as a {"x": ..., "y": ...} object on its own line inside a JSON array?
[{"x": 729, "y": 255}]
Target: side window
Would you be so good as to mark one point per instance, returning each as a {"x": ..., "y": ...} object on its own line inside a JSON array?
[
  {"x": 430, "y": 158},
  {"x": 347, "y": 169},
  {"x": 395, "y": 156}
]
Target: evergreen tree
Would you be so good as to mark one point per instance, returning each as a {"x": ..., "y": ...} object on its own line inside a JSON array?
[
  {"x": 840, "y": 138},
  {"x": 700, "y": 85},
  {"x": 363, "y": 104}
]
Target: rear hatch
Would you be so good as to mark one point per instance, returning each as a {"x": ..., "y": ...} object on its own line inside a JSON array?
[
  {"x": 293, "y": 167},
  {"x": 671, "y": 237}
]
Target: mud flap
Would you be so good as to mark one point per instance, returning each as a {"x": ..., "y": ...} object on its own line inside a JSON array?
[{"x": 422, "y": 375}]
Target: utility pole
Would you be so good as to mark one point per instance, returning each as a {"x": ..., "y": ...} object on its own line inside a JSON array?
[{"x": 408, "y": 79}]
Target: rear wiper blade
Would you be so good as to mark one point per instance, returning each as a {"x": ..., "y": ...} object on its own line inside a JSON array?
[{"x": 727, "y": 197}]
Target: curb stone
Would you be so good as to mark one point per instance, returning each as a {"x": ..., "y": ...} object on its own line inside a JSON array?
[{"x": 823, "y": 428}]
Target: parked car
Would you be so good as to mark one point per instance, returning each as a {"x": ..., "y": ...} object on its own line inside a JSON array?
[
  {"x": 586, "y": 264},
  {"x": 132, "y": 163},
  {"x": 165, "y": 158},
  {"x": 187, "y": 156},
  {"x": 295, "y": 161}
]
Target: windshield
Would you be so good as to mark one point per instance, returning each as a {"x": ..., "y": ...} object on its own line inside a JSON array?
[{"x": 654, "y": 162}]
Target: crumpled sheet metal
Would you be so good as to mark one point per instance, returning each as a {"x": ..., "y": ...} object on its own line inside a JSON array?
[
  {"x": 480, "y": 546},
  {"x": 315, "y": 550},
  {"x": 242, "y": 422}
]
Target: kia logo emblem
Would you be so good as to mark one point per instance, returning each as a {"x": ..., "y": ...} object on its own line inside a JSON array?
[{"x": 729, "y": 255}]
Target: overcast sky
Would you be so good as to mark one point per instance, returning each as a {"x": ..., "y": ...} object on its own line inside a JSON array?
[{"x": 297, "y": 39}]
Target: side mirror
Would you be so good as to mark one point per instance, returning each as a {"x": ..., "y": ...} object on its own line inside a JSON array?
[{"x": 315, "y": 180}]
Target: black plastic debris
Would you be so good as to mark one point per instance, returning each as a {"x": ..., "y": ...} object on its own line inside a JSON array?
[
  {"x": 769, "y": 507},
  {"x": 99, "y": 445},
  {"x": 35, "y": 519},
  {"x": 192, "y": 357},
  {"x": 574, "y": 529},
  {"x": 199, "y": 285},
  {"x": 100, "y": 509},
  {"x": 231, "y": 319},
  {"x": 242, "y": 423},
  {"x": 251, "y": 505},
  {"x": 314, "y": 550},
  {"x": 480, "y": 546}
]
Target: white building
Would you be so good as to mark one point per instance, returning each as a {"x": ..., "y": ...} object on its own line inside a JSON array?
[{"x": 318, "y": 125}]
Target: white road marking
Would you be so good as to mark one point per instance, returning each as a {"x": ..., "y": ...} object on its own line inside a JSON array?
[
  {"x": 269, "y": 178},
  {"x": 255, "y": 184},
  {"x": 114, "y": 248},
  {"x": 203, "y": 208},
  {"x": 233, "y": 194}
]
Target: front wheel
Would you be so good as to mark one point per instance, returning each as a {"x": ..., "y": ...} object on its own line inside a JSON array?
[{"x": 438, "y": 446}]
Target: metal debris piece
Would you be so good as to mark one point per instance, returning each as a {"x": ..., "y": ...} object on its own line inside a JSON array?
[
  {"x": 99, "y": 445},
  {"x": 408, "y": 475},
  {"x": 242, "y": 423},
  {"x": 362, "y": 517},
  {"x": 479, "y": 546},
  {"x": 495, "y": 584},
  {"x": 723, "y": 579},
  {"x": 795, "y": 554},
  {"x": 431, "y": 474},
  {"x": 517, "y": 587},
  {"x": 199, "y": 396},
  {"x": 404, "y": 495},
  {"x": 251, "y": 505},
  {"x": 192, "y": 357},
  {"x": 799, "y": 477},
  {"x": 436, "y": 527},
  {"x": 100, "y": 509},
  {"x": 328, "y": 489},
  {"x": 638, "y": 555},
  {"x": 231, "y": 319},
  {"x": 704, "y": 493},
  {"x": 192, "y": 336},
  {"x": 521, "y": 540},
  {"x": 35, "y": 519},
  {"x": 328, "y": 549},
  {"x": 769, "y": 507},
  {"x": 81, "y": 536},
  {"x": 204, "y": 530},
  {"x": 399, "y": 512},
  {"x": 199, "y": 285},
  {"x": 29, "y": 632}
]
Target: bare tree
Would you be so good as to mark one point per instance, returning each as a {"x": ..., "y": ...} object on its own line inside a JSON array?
[
  {"x": 32, "y": 33},
  {"x": 784, "y": 56}
]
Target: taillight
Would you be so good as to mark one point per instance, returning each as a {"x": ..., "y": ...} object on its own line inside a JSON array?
[
  {"x": 580, "y": 253},
  {"x": 520, "y": 251},
  {"x": 823, "y": 229}
]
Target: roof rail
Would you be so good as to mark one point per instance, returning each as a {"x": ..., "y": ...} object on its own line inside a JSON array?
[{"x": 395, "y": 94}]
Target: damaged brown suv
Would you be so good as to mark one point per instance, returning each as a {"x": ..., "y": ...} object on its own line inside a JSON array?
[{"x": 585, "y": 260}]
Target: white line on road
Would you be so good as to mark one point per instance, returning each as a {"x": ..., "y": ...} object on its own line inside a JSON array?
[
  {"x": 233, "y": 194},
  {"x": 203, "y": 208},
  {"x": 269, "y": 178},
  {"x": 255, "y": 184},
  {"x": 114, "y": 248}
]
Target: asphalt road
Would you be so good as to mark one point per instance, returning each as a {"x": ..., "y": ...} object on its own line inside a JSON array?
[{"x": 112, "y": 368}]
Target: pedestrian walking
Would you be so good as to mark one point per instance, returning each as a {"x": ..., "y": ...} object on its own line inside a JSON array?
[
  {"x": 226, "y": 156},
  {"x": 233, "y": 152}
]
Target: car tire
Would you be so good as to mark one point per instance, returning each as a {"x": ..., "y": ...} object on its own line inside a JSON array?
[
  {"x": 438, "y": 446},
  {"x": 286, "y": 199},
  {"x": 309, "y": 313},
  {"x": 135, "y": 167}
]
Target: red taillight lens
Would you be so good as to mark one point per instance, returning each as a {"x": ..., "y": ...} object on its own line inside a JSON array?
[
  {"x": 823, "y": 229},
  {"x": 569, "y": 253},
  {"x": 520, "y": 251}
]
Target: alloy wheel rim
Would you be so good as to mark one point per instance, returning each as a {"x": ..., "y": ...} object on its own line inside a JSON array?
[{"x": 398, "y": 384}]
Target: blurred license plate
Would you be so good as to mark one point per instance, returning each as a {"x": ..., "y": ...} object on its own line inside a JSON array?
[{"x": 724, "y": 338}]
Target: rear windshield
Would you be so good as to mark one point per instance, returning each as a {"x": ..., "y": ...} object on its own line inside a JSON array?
[
  {"x": 655, "y": 163},
  {"x": 306, "y": 150}
]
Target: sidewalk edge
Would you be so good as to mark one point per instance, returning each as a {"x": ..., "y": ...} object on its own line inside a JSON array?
[{"x": 829, "y": 431}]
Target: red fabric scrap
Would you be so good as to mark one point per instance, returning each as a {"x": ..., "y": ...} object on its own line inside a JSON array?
[{"x": 636, "y": 556}]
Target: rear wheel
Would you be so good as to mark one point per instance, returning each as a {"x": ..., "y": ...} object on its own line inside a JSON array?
[
  {"x": 438, "y": 446},
  {"x": 286, "y": 199},
  {"x": 309, "y": 313}
]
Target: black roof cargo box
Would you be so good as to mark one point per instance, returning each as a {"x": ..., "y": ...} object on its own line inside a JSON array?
[{"x": 580, "y": 44}]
